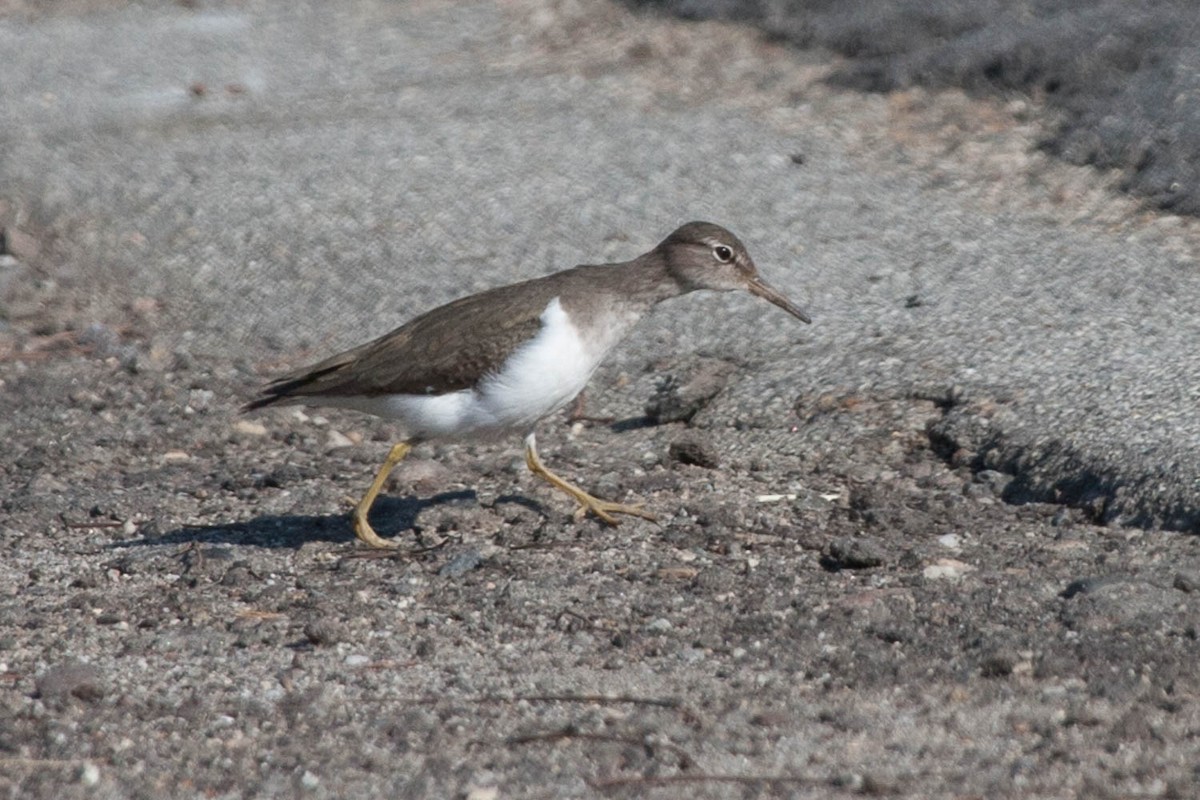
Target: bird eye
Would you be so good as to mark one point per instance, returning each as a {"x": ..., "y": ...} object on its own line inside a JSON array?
[{"x": 723, "y": 254}]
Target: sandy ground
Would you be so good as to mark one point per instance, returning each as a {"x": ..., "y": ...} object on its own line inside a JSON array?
[{"x": 870, "y": 573}]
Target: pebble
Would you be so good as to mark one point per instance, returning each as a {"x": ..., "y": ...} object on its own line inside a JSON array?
[
  {"x": 853, "y": 553},
  {"x": 89, "y": 774},
  {"x": 249, "y": 427},
  {"x": 677, "y": 573},
  {"x": 461, "y": 564},
  {"x": 694, "y": 452},
  {"x": 323, "y": 632},
  {"x": 200, "y": 399},
  {"x": 947, "y": 569},
  {"x": 951, "y": 541},
  {"x": 1187, "y": 581},
  {"x": 356, "y": 660},
  {"x": 337, "y": 440}
]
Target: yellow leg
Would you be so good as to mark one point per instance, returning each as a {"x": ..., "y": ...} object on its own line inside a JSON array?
[
  {"x": 362, "y": 529},
  {"x": 601, "y": 508}
]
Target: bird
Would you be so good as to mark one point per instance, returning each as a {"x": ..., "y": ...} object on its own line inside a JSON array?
[{"x": 499, "y": 361}]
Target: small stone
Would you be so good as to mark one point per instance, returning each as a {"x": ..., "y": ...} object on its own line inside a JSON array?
[
  {"x": 249, "y": 427},
  {"x": 852, "y": 553},
  {"x": 483, "y": 793},
  {"x": 309, "y": 781},
  {"x": 659, "y": 626},
  {"x": 773, "y": 498},
  {"x": 678, "y": 573},
  {"x": 693, "y": 452},
  {"x": 323, "y": 632},
  {"x": 950, "y": 541},
  {"x": 200, "y": 399},
  {"x": 947, "y": 569},
  {"x": 461, "y": 564},
  {"x": 337, "y": 440},
  {"x": 997, "y": 665},
  {"x": 89, "y": 774},
  {"x": 1187, "y": 581},
  {"x": 176, "y": 457},
  {"x": 356, "y": 660}
]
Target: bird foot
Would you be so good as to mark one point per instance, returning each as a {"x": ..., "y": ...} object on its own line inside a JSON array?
[
  {"x": 604, "y": 510},
  {"x": 367, "y": 535}
]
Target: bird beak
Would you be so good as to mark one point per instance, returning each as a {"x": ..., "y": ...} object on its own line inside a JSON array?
[{"x": 760, "y": 288}]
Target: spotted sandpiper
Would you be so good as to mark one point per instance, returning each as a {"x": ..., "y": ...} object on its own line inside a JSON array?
[{"x": 501, "y": 360}]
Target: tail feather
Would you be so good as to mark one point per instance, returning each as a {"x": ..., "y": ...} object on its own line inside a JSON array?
[{"x": 289, "y": 388}]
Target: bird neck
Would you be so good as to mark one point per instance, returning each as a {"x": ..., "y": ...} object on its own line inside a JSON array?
[{"x": 646, "y": 281}]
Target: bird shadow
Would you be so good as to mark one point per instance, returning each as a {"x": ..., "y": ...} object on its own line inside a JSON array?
[
  {"x": 389, "y": 516},
  {"x": 632, "y": 424}
]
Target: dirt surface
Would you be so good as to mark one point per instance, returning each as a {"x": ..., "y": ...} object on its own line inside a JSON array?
[
  {"x": 841, "y": 597},
  {"x": 1121, "y": 76}
]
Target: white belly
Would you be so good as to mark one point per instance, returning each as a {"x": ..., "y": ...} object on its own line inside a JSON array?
[{"x": 539, "y": 378}]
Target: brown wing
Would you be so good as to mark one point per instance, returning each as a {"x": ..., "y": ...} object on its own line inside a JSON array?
[{"x": 444, "y": 350}]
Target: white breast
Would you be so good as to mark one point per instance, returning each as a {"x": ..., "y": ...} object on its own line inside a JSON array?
[{"x": 538, "y": 378}]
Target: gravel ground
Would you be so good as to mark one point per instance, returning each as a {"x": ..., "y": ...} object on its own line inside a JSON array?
[
  {"x": 938, "y": 544},
  {"x": 1121, "y": 78}
]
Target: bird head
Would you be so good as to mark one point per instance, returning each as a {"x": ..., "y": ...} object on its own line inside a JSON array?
[{"x": 701, "y": 255}]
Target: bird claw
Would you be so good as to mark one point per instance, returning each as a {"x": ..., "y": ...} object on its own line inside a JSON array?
[
  {"x": 367, "y": 535},
  {"x": 604, "y": 510}
]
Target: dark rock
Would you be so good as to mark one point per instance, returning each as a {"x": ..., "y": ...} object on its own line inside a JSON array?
[
  {"x": 324, "y": 632},
  {"x": 693, "y": 452},
  {"x": 680, "y": 399},
  {"x": 852, "y": 553},
  {"x": 997, "y": 665}
]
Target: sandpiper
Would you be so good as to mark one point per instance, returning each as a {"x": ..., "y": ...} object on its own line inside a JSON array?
[{"x": 500, "y": 360}]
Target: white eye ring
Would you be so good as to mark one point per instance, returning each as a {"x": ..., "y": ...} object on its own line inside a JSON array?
[{"x": 722, "y": 253}]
